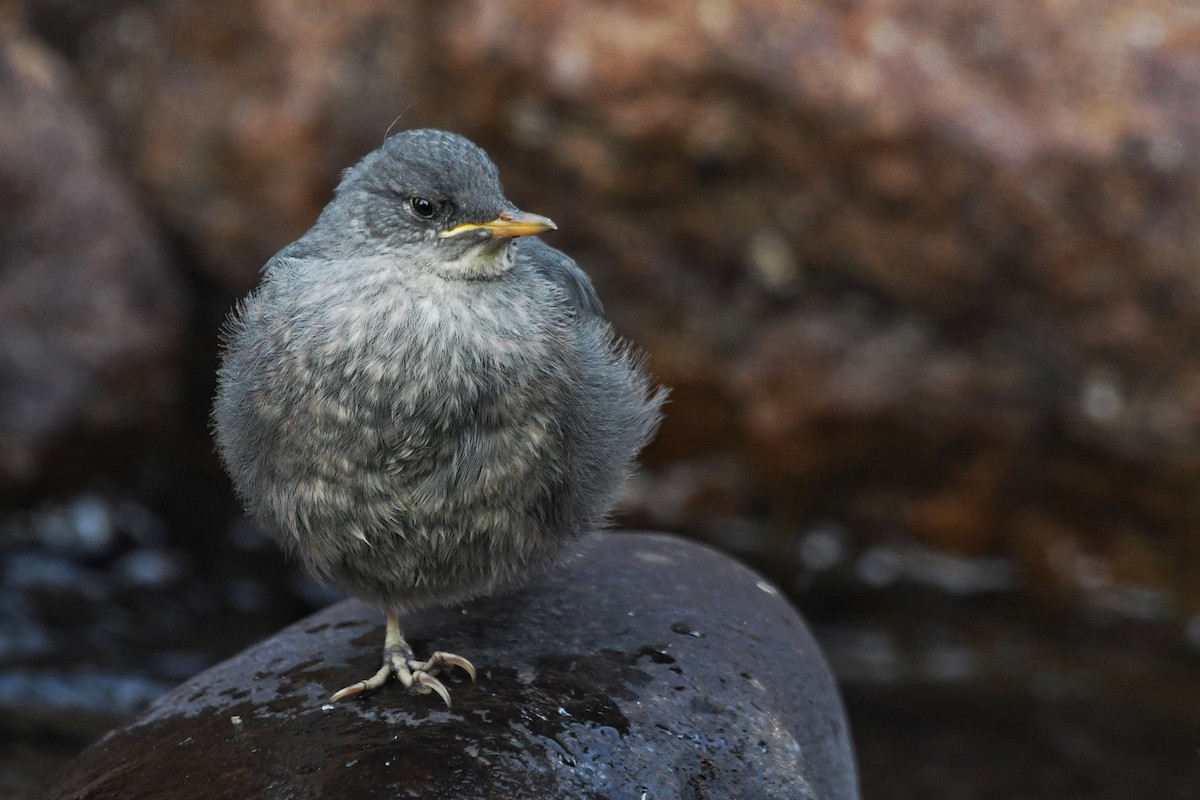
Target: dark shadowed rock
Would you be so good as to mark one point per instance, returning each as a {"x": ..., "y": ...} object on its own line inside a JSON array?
[
  {"x": 89, "y": 314},
  {"x": 649, "y": 668}
]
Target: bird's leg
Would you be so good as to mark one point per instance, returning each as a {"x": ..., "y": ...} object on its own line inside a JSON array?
[{"x": 416, "y": 676}]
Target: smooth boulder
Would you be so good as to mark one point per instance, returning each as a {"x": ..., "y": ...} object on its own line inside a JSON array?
[{"x": 649, "y": 667}]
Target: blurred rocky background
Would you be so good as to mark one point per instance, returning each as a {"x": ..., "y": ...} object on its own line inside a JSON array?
[{"x": 924, "y": 277}]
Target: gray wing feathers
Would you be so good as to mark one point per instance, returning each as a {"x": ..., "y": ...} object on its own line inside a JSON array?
[{"x": 561, "y": 270}]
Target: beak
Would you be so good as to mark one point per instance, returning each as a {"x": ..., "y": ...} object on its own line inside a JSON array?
[{"x": 509, "y": 223}]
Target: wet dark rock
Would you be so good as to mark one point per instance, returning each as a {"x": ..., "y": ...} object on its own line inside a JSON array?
[
  {"x": 648, "y": 668},
  {"x": 89, "y": 312}
]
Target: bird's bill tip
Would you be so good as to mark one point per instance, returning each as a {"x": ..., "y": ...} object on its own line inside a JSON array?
[{"x": 509, "y": 223}]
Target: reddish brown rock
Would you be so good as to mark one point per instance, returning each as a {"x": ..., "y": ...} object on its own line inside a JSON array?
[
  {"x": 89, "y": 312},
  {"x": 238, "y": 122},
  {"x": 919, "y": 261},
  {"x": 649, "y": 667}
]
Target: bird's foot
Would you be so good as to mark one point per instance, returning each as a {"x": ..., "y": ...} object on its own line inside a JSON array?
[{"x": 416, "y": 676}]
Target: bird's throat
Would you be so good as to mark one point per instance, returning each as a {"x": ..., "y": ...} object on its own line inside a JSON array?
[{"x": 482, "y": 262}]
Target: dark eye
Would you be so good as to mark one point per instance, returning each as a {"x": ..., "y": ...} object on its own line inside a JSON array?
[{"x": 422, "y": 206}]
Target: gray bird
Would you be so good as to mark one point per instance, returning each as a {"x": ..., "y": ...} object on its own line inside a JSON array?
[{"x": 424, "y": 403}]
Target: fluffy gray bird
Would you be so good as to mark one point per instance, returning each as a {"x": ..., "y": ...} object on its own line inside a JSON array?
[{"x": 422, "y": 401}]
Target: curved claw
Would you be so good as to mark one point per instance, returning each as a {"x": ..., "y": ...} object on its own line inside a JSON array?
[
  {"x": 431, "y": 683},
  {"x": 455, "y": 661},
  {"x": 373, "y": 682},
  {"x": 349, "y": 691}
]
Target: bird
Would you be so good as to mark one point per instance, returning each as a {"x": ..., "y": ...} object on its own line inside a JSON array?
[{"x": 422, "y": 400}]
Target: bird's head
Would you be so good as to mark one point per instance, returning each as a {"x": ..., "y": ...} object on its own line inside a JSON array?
[{"x": 435, "y": 201}]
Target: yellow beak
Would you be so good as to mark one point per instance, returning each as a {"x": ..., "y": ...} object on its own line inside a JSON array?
[{"x": 509, "y": 223}]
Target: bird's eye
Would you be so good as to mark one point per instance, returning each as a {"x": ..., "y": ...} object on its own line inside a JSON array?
[{"x": 423, "y": 206}]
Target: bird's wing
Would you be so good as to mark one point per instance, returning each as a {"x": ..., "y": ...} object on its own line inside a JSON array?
[{"x": 561, "y": 270}]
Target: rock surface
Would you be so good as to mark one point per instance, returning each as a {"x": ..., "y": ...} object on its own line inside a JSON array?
[
  {"x": 900, "y": 261},
  {"x": 649, "y": 667},
  {"x": 90, "y": 315}
]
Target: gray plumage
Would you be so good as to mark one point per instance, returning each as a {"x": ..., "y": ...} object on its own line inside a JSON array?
[{"x": 421, "y": 410}]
